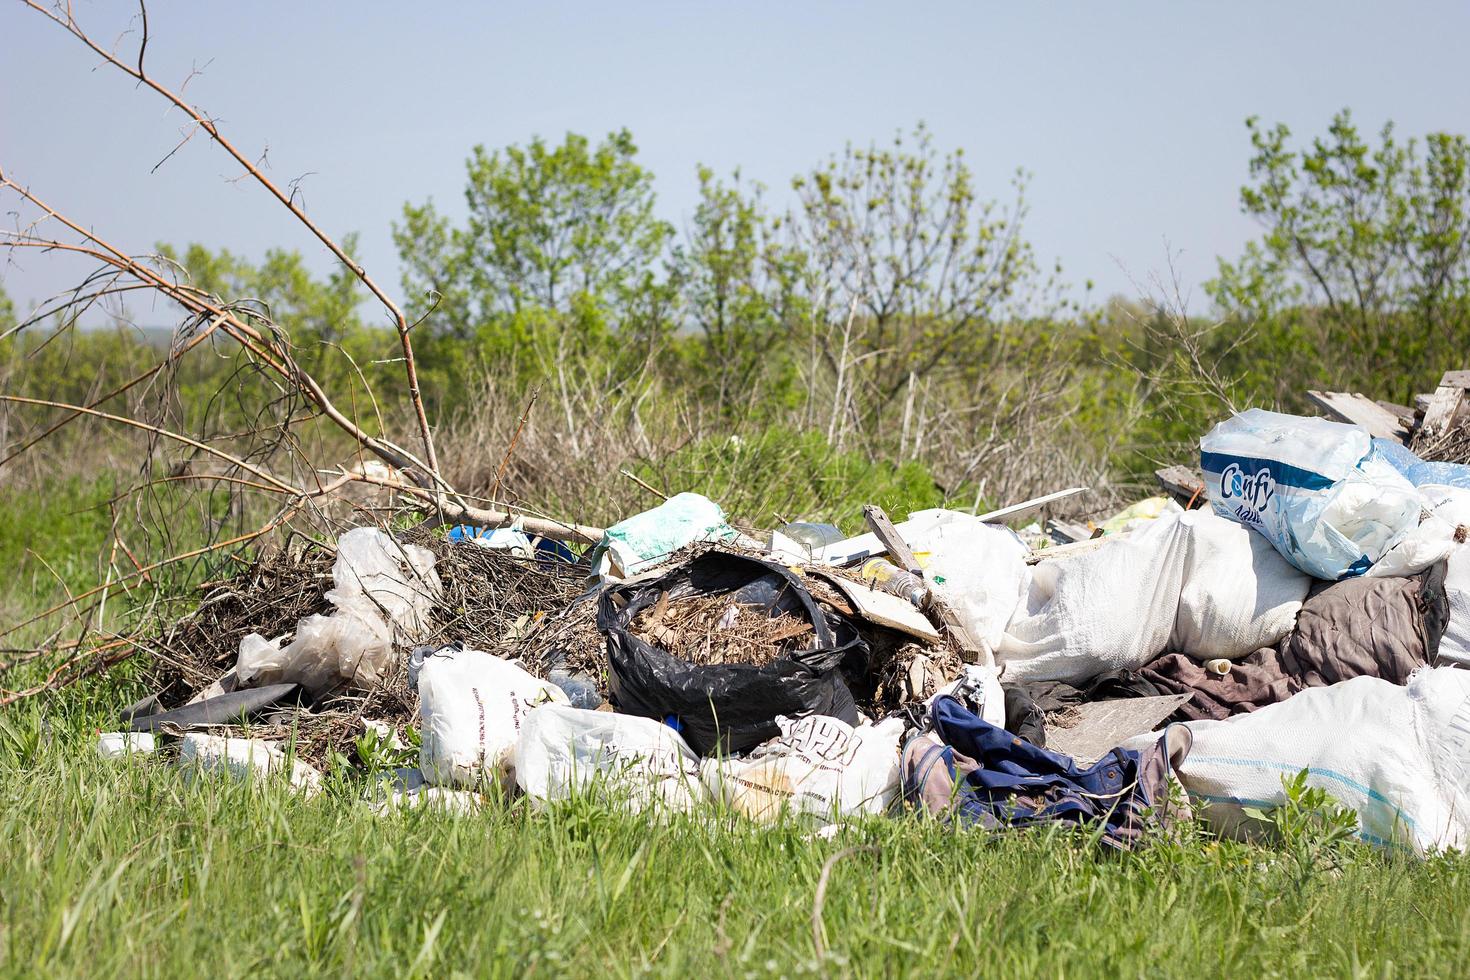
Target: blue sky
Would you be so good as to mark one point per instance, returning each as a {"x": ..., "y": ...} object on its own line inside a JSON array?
[{"x": 1129, "y": 116}]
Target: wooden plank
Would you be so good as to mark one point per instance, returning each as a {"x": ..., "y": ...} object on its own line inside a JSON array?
[
  {"x": 1358, "y": 409},
  {"x": 1455, "y": 379},
  {"x": 1064, "y": 532},
  {"x": 1444, "y": 406},
  {"x": 893, "y": 542},
  {"x": 884, "y": 609},
  {"x": 1183, "y": 484},
  {"x": 1096, "y": 727},
  {"x": 972, "y": 650},
  {"x": 1027, "y": 507},
  {"x": 1076, "y": 548}
]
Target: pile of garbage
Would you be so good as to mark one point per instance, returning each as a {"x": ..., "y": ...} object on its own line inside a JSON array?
[{"x": 1306, "y": 608}]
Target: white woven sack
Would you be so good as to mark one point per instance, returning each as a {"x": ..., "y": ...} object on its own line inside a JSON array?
[{"x": 1397, "y": 756}]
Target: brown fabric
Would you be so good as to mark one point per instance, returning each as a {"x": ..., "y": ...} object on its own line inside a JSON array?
[
  {"x": 1253, "y": 682},
  {"x": 1362, "y": 627}
]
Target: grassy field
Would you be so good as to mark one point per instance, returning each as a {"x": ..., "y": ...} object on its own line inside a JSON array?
[{"x": 120, "y": 869}]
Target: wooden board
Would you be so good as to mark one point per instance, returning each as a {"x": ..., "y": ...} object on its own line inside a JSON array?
[
  {"x": 1183, "y": 484},
  {"x": 1445, "y": 405},
  {"x": 1358, "y": 409},
  {"x": 884, "y": 609},
  {"x": 893, "y": 542}
]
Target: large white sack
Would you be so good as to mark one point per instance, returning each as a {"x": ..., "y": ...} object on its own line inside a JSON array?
[
  {"x": 471, "y": 708},
  {"x": 622, "y": 759},
  {"x": 1395, "y": 755},
  {"x": 978, "y": 568},
  {"x": 1109, "y": 609},
  {"x": 818, "y": 765},
  {"x": 1239, "y": 593},
  {"x": 383, "y": 591},
  {"x": 1190, "y": 583}
]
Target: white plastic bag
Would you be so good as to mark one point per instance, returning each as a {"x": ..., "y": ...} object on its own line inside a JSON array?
[
  {"x": 818, "y": 765},
  {"x": 383, "y": 592},
  {"x": 1438, "y": 536},
  {"x": 978, "y": 568},
  {"x": 1451, "y": 514},
  {"x": 120, "y": 745},
  {"x": 1109, "y": 609},
  {"x": 1312, "y": 487},
  {"x": 1397, "y": 756},
  {"x": 244, "y": 759},
  {"x": 1238, "y": 595},
  {"x": 1190, "y": 583},
  {"x": 622, "y": 759},
  {"x": 471, "y": 707}
]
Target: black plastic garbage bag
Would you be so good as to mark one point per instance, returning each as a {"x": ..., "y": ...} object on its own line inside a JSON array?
[{"x": 726, "y": 707}]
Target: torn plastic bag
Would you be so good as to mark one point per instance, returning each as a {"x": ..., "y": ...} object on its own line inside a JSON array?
[
  {"x": 726, "y": 707},
  {"x": 1316, "y": 489},
  {"x": 818, "y": 766},
  {"x": 643, "y": 540},
  {"x": 629, "y": 761},
  {"x": 383, "y": 592},
  {"x": 245, "y": 760},
  {"x": 471, "y": 706}
]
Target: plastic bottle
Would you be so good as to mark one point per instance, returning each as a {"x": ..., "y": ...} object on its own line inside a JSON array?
[{"x": 885, "y": 576}]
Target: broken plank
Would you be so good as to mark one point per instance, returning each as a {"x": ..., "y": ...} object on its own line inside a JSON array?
[
  {"x": 1075, "y": 548},
  {"x": 1444, "y": 407},
  {"x": 1358, "y": 409},
  {"x": 1097, "y": 727},
  {"x": 884, "y": 609},
  {"x": 893, "y": 542},
  {"x": 1183, "y": 484}
]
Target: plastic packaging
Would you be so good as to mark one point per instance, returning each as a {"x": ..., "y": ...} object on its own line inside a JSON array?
[
  {"x": 383, "y": 592},
  {"x": 634, "y": 544},
  {"x": 818, "y": 766},
  {"x": 120, "y": 745},
  {"x": 471, "y": 706},
  {"x": 1314, "y": 488},
  {"x": 620, "y": 759},
  {"x": 508, "y": 539},
  {"x": 244, "y": 759},
  {"x": 728, "y": 707},
  {"x": 885, "y": 576}
]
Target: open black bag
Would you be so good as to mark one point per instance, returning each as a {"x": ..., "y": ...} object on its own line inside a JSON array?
[{"x": 726, "y": 707}]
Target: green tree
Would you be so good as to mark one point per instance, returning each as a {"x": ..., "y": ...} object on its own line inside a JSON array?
[
  {"x": 1362, "y": 275},
  {"x": 917, "y": 276},
  {"x": 740, "y": 280},
  {"x": 554, "y": 234}
]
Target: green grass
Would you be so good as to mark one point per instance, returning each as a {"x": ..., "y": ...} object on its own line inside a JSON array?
[{"x": 120, "y": 869}]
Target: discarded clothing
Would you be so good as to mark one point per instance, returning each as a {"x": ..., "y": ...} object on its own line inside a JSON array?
[
  {"x": 968, "y": 770},
  {"x": 1374, "y": 627}
]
